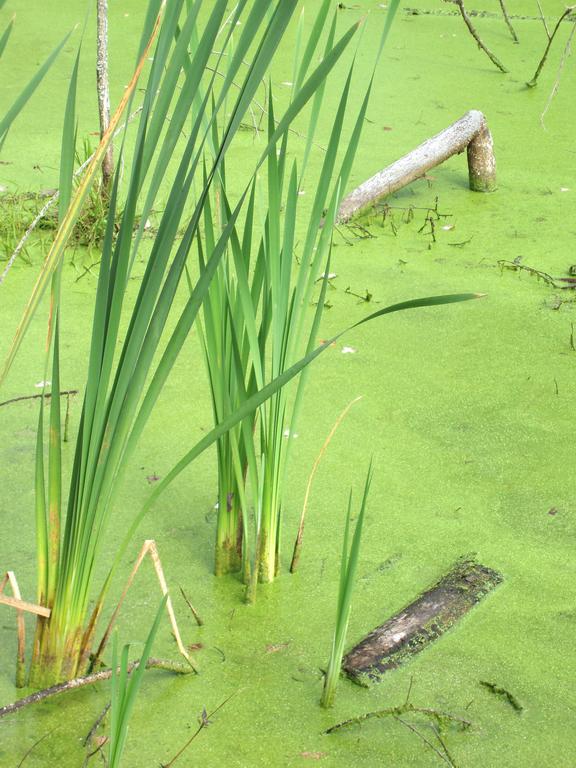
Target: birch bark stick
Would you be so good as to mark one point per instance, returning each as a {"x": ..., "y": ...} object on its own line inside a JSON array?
[
  {"x": 103, "y": 87},
  {"x": 470, "y": 132}
]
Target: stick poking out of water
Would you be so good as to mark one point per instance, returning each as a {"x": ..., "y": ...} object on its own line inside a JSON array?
[{"x": 470, "y": 132}]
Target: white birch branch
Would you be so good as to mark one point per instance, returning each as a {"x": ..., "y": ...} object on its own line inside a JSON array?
[
  {"x": 470, "y": 132},
  {"x": 103, "y": 88}
]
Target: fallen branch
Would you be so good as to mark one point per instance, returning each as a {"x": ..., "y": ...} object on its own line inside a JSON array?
[
  {"x": 470, "y": 132},
  {"x": 79, "y": 682},
  {"x": 441, "y": 718},
  {"x": 472, "y": 29},
  {"x": 567, "y": 12}
]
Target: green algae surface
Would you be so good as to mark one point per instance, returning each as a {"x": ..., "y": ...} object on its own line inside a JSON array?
[{"x": 466, "y": 409}]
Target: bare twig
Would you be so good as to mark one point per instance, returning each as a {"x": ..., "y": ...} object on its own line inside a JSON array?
[
  {"x": 47, "y": 395},
  {"x": 543, "y": 19},
  {"x": 33, "y": 747},
  {"x": 204, "y": 723},
  {"x": 193, "y": 610},
  {"x": 531, "y": 83},
  {"x": 425, "y": 740},
  {"x": 508, "y": 22},
  {"x": 96, "y": 725},
  {"x": 300, "y": 534},
  {"x": 79, "y": 682},
  {"x": 472, "y": 29},
  {"x": 556, "y": 86}
]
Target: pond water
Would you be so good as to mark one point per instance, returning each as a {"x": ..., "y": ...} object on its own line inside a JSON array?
[{"x": 466, "y": 411}]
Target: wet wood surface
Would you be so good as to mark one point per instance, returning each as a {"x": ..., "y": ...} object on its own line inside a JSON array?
[{"x": 420, "y": 623}]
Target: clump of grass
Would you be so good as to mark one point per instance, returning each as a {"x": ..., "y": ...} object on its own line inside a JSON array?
[
  {"x": 257, "y": 322},
  {"x": 348, "y": 566},
  {"x": 127, "y": 369}
]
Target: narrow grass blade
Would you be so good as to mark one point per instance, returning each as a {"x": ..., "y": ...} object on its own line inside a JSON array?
[
  {"x": 67, "y": 225},
  {"x": 27, "y": 92},
  {"x": 5, "y": 36}
]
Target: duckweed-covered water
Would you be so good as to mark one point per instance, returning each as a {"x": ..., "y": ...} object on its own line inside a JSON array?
[{"x": 467, "y": 410}]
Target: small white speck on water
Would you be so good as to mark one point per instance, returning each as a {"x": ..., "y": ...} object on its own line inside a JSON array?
[
  {"x": 564, "y": 189},
  {"x": 330, "y": 275},
  {"x": 42, "y": 384},
  {"x": 301, "y": 192},
  {"x": 287, "y": 433},
  {"x": 2, "y": 188},
  {"x": 448, "y": 227},
  {"x": 348, "y": 351},
  {"x": 287, "y": 83}
]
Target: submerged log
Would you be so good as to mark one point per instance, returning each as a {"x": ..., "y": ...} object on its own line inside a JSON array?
[
  {"x": 421, "y": 622},
  {"x": 470, "y": 132}
]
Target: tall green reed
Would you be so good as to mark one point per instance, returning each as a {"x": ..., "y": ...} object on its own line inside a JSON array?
[
  {"x": 257, "y": 320},
  {"x": 121, "y": 389},
  {"x": 124, "y": 690},
  {"x": 348, "y": 566},
  {"x": 258, "y": 326}
]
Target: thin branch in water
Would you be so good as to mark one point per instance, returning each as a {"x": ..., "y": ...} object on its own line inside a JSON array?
[
  {"x": 204, "y": 723},
  {"x": 33, "y": 747},
  {"x": 47, "y": 395},
  {"x": 472, "y": 29},
  {"x": 434, "y": 714},
  {"x": 96, "y": 725},
  {"x": 79, "y": 682},
  {"x": 193, "y": 610},
  {"x": 531, "y": 83},
  {"x": 425, "y": 740},
  {"x": 443, "y": 745},
  {"x": 543, "y": 19},
  {"x": 556, "y": 86},
  {"x": 508, "y": 22}
]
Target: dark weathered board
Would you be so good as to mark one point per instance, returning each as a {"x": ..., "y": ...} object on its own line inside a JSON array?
[{"x": 421, "y": 622}]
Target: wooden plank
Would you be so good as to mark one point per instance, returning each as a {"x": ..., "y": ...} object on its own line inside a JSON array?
[{"x": 420, "y": 623}]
